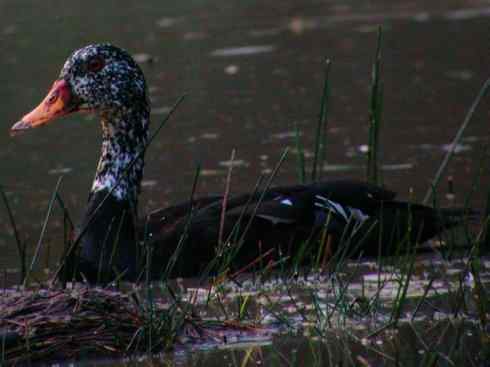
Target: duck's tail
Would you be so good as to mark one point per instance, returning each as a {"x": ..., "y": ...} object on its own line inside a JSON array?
[
  {"x": 451, "y": 217},
  {"x": 420, "y": 222}
]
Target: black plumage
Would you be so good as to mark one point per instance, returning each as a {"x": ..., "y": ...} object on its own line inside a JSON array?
[{"x": 277, "y": 223}]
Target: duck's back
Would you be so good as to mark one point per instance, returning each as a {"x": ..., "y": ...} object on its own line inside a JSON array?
[{"x": 282, "y": 220}]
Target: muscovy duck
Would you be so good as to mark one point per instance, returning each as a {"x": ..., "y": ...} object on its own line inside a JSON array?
[{"x": 316, "y": 218}]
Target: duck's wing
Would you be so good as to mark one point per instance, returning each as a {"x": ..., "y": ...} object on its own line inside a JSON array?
[
  {"x": 304, "y": 203},
  {"x": 353, "y": 193},
  {"x": 282, "y": 204},
  {"x": 168, "y": 218}
]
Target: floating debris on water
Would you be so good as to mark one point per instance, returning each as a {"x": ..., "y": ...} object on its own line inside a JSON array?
[
  {"x": 363, "y": 148},
  {"x": 378, "y": 277},
  {"x": 368, "y": 28},
  {"x": 340, "y": 167},
  {"x": 234, "y": 163},
  {"x": 243, "y": 51},
  {"x": 471, "y": 139},
  {"x": 167, "y": 22},
  {"x": 446, "y": 147},
  {"x": 232, "y": 69},
  {"x": 60, "y": 171},
  {"x": 298, "y": 25},
  {"x": 397, "y": 166},
  {"x": 458, "y": 148},
  {"x": 465, "y": 14},
  {"x": 9, "y": 30},
  {"x": 211, "y": 172},
  {"x": 424, "y": 146},
  {"x": 463, "y": 75},
  {"x": 210, "y": 136},
  {"x": 205, "y": 136},
  {"x": 148, "y": 183},
  {"x": 264, "y": 32},
  {"x": 286, "y": 135},
  {"x": 143, "y": 58},
  {"x": 421, "y": 17},
  {"x": 194, "y": 36},
  {"x": 306, "y": 152},
  {"x": 160, "y": 110}
]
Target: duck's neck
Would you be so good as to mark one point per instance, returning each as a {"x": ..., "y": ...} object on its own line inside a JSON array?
[
  {"x": 110, "y": 239},
  {"x": 120, "y": 168}
]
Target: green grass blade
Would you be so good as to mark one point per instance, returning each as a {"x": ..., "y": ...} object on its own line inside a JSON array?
[
  {"x": 20, "y": 247},
  {"x": 300, "y": 154},
  {"x": 321, "y": 125},
  {"x": 375, "y": 109},
  {"x": 43, "y": 230},
  {"x": 457, "y": 138}
]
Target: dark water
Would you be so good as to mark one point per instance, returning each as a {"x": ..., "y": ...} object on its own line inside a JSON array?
[
  {"x": 252, "y": 70},
  {"x": 435, "y": 59}
]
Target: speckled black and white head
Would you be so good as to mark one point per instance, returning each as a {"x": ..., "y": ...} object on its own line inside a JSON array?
[{"x": 105, "y": 80}]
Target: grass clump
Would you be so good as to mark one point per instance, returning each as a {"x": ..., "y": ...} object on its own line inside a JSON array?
[{"x": 65, "y": 324}]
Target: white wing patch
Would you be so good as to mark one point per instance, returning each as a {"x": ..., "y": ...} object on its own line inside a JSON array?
[
  {"x": 358, "y": 214},
  {"x": 345, "y": 212},
  {"x": 287, "y": 202}
]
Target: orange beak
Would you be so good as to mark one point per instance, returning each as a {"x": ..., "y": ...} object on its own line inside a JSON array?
[{"x": 59, "y": 102}]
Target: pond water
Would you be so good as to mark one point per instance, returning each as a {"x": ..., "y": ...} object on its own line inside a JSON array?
[{"x": 253, "y": 71}]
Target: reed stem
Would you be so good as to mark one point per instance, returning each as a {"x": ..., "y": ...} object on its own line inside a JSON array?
[
  {"x": 457, "y": 138},
  {"x": 375, "y": 110},
  {"x": 321, "y": 125}
]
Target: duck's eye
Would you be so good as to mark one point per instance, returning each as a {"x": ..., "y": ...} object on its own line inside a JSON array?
[{"x": 95, "y": 64}]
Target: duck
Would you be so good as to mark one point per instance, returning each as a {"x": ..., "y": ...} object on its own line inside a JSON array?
[{"x": 213, "y": 233}]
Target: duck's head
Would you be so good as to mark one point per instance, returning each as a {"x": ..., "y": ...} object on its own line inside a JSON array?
[
  {"x": 104, "y": 80},
  {"x": 99, "y": 78}
]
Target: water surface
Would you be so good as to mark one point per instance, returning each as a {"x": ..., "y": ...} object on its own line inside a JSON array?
[{"x": 253, "y": 71}]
